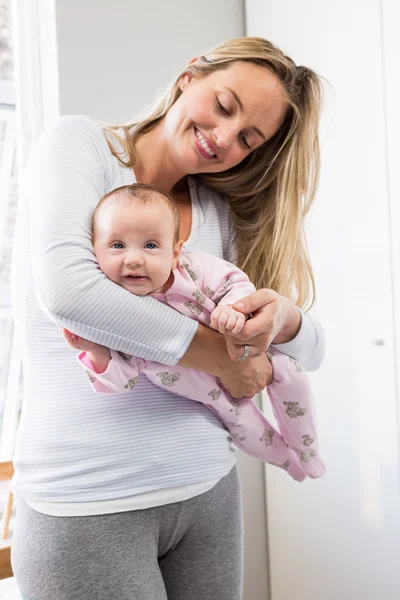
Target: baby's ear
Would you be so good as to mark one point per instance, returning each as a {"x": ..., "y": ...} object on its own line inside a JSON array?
[{"x": 177, "y": 253}]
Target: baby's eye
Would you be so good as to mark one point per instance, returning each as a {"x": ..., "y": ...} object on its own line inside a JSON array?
[
  {"x": 117, "y": 245},
  {"x": 151, "y": 246}
]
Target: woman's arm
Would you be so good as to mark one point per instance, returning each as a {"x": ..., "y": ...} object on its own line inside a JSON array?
[
  {"x": 208, "y": 352},
  {"x": 308, "y": 345},
  {"x": 298, "y": 334},
  {"x": 71, "y": 168},
  {"x": 275, "y": 318}
]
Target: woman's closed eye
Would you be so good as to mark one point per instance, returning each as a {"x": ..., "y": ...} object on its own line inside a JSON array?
[
  {"x": 222, "y": 108},
  {"x": 226, "y": 112}
]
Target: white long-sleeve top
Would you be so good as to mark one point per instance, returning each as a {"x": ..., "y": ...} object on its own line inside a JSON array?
[{"x": 78, "y": 453}]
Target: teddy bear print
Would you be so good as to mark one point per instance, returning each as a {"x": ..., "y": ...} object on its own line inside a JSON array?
[
  {"x": 199, "y": 296},
  {"x": 168, "y": 379},
  {"x": 307, "y": 439},
  {"x": 293, "y": 410},
  {"x": 236, "y": 407},
  {"x": 195, "y": 309},
  {"x": 125, "y": 357},
  {"x": 215, "y": 394},
  {"x": 285, "y": 465},
  {"x": 218, "y": 299},
  {"x": 91, "y": 377},
  {"x": 307, "y": 455},
  {"x": 189, "y": 270},
  {"x": 131, "y": 383},
  {"x": 237, "y": 437},
  {"x": 228, "y": 282},
  {"x": 296, "y": 364},
  {"x": 267, "y": 437},
  {"x": 209, "y": 292}
]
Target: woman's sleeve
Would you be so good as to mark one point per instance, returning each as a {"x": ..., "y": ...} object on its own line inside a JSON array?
[
  {"x": 308, "y": 347},
  {"x": 70, "y": 170}
]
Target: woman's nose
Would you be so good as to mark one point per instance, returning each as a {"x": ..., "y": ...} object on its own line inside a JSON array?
[{"x": 223, "y": 136}]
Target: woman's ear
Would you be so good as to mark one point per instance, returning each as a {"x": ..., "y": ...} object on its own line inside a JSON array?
[
  {"x": 184, "y": 81},
  {"x": 177, "y": 253},
  {"x": 187, "y": 77}
]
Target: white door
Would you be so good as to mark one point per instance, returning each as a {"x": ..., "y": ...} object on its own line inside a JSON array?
[{"x": 339, "y": 537}]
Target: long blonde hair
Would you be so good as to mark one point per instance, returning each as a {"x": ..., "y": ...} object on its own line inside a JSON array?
[{"x": 271, "y": 190}]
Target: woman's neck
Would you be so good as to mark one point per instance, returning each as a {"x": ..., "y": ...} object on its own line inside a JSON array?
[{"x": 153, "y": 162}]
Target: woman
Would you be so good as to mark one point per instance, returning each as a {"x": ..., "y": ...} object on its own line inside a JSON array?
[{"x": 146, "y": 482}]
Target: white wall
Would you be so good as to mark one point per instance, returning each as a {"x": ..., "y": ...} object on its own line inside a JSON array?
[
  {"x": 340, "y": 537},
  {"x": 108, "y": 60},
  {"x": 113, "y": 57}
]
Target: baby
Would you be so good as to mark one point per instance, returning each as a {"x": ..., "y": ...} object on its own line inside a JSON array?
[{"x": 135, "y": 235}]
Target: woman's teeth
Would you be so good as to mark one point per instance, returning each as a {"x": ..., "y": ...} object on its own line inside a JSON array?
[{"x": 204, "y": 143}]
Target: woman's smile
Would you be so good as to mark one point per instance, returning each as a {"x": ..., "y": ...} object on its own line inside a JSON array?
[{"x": 204, "y": 145}]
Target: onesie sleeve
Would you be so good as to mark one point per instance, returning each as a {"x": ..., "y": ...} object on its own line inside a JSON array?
[
  {"x": 121, "y": 375},
  {"x": 71, "y": 168},
  {"x": 223, "y": 282}
]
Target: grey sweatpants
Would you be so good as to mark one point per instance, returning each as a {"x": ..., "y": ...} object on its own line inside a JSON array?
[{"x": 189, "y": 550}]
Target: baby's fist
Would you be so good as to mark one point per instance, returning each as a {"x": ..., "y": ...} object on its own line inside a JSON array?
[
  {"x": 226, "y": 318},
  {"x": 79, "y": 343}
]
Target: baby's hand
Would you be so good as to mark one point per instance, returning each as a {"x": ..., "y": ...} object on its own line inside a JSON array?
[
  {"x": 79, "y": 343},
  {"x": 98, "y": 355},
  {"x": 226, "y": 318}
]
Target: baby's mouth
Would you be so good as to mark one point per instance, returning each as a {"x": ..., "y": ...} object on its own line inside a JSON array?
[{"x": 134, "y": 277}]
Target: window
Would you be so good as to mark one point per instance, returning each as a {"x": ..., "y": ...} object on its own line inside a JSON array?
[{"x": 10, "y": 385}]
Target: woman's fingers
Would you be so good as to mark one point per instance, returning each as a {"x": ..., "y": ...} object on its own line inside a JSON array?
[
  {"x": 254, "y": 301},
  {"x": 245, "y": 379},
  {"x": 236, "y": 351}
]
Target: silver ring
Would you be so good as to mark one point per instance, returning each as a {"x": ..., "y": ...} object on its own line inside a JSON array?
[{"x": 245, "y": 352}]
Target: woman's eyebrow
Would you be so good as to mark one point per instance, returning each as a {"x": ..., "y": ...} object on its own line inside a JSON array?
[{"x": 239, "y": 103}]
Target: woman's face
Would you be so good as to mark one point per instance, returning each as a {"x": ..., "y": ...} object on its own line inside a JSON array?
[{"x": 220, "y": 119}]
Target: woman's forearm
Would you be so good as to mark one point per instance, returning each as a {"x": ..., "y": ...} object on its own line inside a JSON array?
[
  {"x": 70, "y": 288},
  {"x": 207, "y": 352},
  {"x": 291, "y": 326},
  {"x": 308, "y": 345}
]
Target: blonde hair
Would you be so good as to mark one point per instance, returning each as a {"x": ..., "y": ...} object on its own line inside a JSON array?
[
  {"x": 271, "y": 191},
  {"x": 146, "y": 193}
]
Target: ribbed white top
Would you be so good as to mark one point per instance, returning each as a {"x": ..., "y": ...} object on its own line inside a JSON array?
[{"x": 76, "y": 448}]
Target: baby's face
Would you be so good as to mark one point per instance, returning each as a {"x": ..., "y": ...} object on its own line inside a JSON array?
[{"x": 134, "y": 244}]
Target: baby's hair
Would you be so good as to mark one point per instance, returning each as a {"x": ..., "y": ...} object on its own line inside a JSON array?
[{"x": 148, "y": 194}]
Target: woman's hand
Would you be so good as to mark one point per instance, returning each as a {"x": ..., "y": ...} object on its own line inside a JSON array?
[
  {"x": 274, "y": 319},
  {"x": 208, "y": 352},
  {"x": 244, "y": 379}
]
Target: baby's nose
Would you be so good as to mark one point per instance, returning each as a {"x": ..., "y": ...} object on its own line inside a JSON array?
[{"x": 134, "y": 257}]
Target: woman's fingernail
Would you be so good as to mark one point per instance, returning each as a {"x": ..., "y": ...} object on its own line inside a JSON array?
[{"x": 239, "y": 304}]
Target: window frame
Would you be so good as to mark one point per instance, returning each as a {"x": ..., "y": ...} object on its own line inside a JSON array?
[{"x": 33, "y": 35}]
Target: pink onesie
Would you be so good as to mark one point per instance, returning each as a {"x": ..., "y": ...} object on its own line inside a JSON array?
[{"x": 202, "y": 281}]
